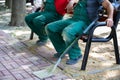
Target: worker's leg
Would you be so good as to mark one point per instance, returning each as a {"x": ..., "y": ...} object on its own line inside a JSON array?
[
  {"x": 29, "y": 21},
  {"x": 69, "y": 35},
  {"x": 40, "y": 22},
  {"x": 54, "y": 31}
]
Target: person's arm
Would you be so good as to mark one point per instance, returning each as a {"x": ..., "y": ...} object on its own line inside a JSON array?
[
  {"x": 70, "y": 5},
  {"x": 110, "y": 10}
]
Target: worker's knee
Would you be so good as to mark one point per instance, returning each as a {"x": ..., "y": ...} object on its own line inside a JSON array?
[
  {"x": 27, "y": 19},
  {"x": 39, "y": 21},
  {"x": 51, "y": 27},
  {"x": 48, "y": 29},
  {"x": 67, "y": 35}
]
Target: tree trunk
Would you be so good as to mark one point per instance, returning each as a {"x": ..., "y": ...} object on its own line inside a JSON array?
[
  {"x": 8, "y": 3},
  {"x": 18, "y": 13}
]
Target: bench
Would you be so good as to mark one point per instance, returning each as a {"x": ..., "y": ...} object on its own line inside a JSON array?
[{"x": 112, "y": 35}]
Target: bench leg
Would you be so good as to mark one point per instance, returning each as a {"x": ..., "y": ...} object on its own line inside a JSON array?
[
  {"x": 31, "y": 35},
  {"x": 116, "y": 47},
  {"x": 86, "y": 54}
]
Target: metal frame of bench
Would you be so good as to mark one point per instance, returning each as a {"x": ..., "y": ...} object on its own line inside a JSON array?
[{"x": 112, "y": 35}]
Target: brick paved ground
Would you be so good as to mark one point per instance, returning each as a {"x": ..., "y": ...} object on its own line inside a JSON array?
[{"x": 18, "y": 63}]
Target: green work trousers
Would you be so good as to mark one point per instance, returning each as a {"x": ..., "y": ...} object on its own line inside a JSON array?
[
  {"x": 37, "y": 21},
  {"x": 63, "y": 32}
]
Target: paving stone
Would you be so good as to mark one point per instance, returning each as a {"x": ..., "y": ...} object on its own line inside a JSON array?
[
  {"x": 2, "y": 67},
  {"x": 1, "y": 74},
  {"x": 5, "y": 72},
  {"x": 18, "y": 76},
  {"x": 10, "y": 77}
]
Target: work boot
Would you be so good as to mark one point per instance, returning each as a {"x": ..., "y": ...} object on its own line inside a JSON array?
[
  {"x": 41, "y": 42},
  {"x": 73, "y": 61}
]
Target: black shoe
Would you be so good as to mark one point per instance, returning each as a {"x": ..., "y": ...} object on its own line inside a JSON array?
[{"x": 73, "y": 61}]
